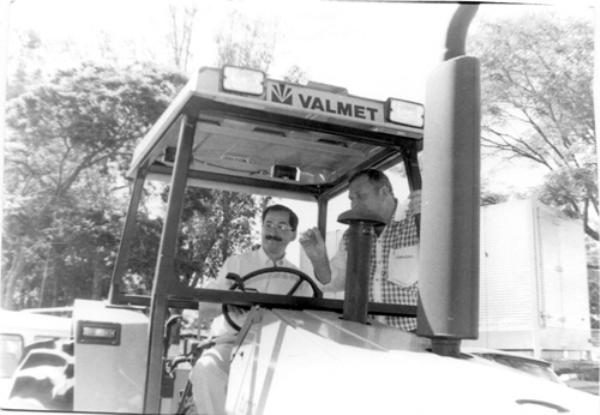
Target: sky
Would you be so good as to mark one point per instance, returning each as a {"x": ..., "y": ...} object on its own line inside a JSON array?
[
  {"x": 340, "y": 43},
  {"x": 343, "y": 43},
  {"x": 334, "y": 43}
]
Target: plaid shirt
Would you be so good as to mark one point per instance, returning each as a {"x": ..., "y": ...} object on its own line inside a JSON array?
[{"x": 383, "y": 287}]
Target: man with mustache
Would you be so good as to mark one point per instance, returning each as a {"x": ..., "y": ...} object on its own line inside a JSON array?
[{"x": 210, "y": 373}]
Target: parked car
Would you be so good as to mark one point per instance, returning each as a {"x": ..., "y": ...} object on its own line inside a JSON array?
[
  {"x": 19, "y": 330},
  {"x": 580, "y": 374}
]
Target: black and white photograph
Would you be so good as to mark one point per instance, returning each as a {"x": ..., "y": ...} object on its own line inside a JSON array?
[{"x": 292, "y": 207}]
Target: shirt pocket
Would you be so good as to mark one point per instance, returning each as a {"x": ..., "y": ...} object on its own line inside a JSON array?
[{"x": 403, "y": 265}]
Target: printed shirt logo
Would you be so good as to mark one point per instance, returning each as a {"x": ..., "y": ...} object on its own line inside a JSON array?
[{"x": 282, "y": 94}]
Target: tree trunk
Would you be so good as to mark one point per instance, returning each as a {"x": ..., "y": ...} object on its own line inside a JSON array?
[
  {"x": 44, "y": 281},
  {"x": 9, "y": 282},
  {"x": 55, "y": 269},
  {"x": 97, "y": 275}
]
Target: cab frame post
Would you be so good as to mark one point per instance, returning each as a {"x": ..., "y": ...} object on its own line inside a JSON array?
[
  {"x": 322, "y": 215},
  {"x": 164, "y": 275},
  {"x": 129, "y": 230}
]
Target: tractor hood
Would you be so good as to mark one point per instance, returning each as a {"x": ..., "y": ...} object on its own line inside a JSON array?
[{"x": 308, "y": 362}]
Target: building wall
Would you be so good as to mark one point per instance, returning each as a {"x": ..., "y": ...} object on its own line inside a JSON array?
[
  {"x": 533, "y": 285},
  {"x": 565, "y": 320},
  {"x": 507, "y": 270}
]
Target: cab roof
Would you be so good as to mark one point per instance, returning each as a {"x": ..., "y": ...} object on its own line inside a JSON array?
[{"x": 300, "y": 140}]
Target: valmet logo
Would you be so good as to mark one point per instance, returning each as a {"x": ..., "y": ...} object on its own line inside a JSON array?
[
  {"x": 282, "y": 94},
  {"x": 285, "y": 94}
]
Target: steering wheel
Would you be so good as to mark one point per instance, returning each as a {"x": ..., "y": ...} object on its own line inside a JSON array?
[{"x": 241, "y": 284}]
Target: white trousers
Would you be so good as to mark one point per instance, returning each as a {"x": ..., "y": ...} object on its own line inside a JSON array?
[{"x": 209, "y": 378}]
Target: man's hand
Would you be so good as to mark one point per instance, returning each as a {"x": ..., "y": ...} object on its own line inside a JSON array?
[
  {"x": 414, "y": 203},
  {"x": 313, "y": 244}
]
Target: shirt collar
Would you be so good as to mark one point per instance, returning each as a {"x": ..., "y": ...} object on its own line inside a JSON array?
[
  {"x": 268, "y": 262},
  {"x": 395, "y": 218}
]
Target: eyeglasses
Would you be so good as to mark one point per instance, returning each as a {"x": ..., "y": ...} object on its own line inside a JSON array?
[{"x": 279, "y": 226}]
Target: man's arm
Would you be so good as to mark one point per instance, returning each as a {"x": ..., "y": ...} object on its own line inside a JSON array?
[
  {"x": 337, "y": 264},
  {"x": 314, "y": 246},
  {"x": 330, "y": 273}
]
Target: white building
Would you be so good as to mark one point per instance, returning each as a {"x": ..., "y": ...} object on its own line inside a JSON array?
[{"x": 534, "y": 292}]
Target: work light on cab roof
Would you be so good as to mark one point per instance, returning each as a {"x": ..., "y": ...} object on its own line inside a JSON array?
[
  {"x": 404, "y": 112},
  {"x": 243, "y": 80}
]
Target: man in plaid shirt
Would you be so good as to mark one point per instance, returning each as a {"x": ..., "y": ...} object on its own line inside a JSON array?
[{"x": 394, "y": 247}]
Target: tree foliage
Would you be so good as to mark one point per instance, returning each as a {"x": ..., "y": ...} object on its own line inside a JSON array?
[
  {"x": 214, "y": 225},
  {"x": 71, "y": 136},
  {"x": 594, "y": 292},
  {"x": 69, "y": 142},
  {"x": 245, "y": 42},
  {"x": 180, "y": 34},
  {"x": 537, "y": 104}
]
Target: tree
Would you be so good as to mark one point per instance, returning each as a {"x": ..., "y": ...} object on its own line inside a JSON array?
[
  {"x": 296, "y": 75},
  {"x": 27, "y": 63},
  {"x": 491, "y": 198},
  {"x": 537, "y": 105},
  {"x": 247, "y": 43},
  {"x": 214, "y": 225},
  {"x": 180, "y": 34},
  {"x": 62, "y": 225},
  {"x": 63, "y": 135},
  {"x": 594, "y": 292}
]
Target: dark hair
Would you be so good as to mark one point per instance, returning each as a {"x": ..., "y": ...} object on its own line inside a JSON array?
[
  {"x": 377, "y": 177},
  {"x": 293, "y": 218}
]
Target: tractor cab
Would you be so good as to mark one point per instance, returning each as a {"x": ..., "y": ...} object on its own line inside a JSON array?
[{"x": 234, "y": 129}]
